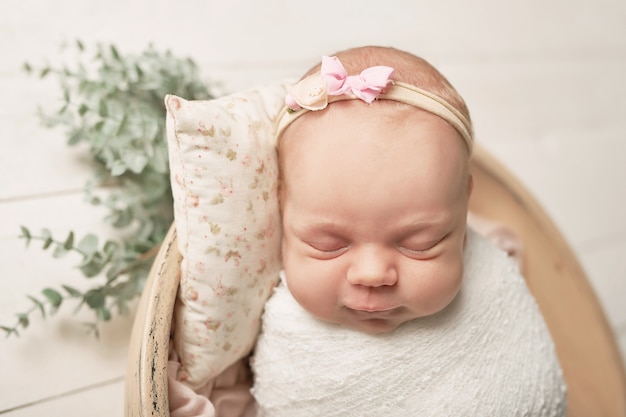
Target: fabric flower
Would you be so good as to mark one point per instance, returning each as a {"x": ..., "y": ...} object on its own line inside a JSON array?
[{"x": 310, "y": 93}]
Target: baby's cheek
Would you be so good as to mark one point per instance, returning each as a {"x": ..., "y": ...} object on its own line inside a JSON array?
[
  {"x": 307, "y": 294},
  {"x": 312, "y": 287},
  {"x": 435, "y": 286},
  {"x": 449, "y": 284}
]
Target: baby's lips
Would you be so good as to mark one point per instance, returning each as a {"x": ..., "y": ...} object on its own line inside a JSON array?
[{"x": 378, "y": 311}]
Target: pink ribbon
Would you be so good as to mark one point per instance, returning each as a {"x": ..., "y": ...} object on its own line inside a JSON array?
[
  {"x": 367, "y": 85},
  {"x": 313, "y": 91}
]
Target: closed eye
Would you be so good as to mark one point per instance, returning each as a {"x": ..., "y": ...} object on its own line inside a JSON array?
[
  {"x": 414, "y": 251},
  {"x": 421, "y": 250},
  {"x": 327, "y": 250}
]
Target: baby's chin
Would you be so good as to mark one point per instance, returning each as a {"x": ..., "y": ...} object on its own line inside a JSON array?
[
  {"x": 380, "y": 325},
  {"x": 379, "y": 329},
  {"x": 373, "y": 326}
]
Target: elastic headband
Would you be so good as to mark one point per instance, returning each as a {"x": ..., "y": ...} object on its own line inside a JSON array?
[{"x": 332, "y": 84}]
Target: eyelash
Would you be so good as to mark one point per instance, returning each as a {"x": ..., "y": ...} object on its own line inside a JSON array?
[
  {"x": 406, "y": 250},
  {"x": 415, "y": 252},
  {"x": 421, "y": 251},
  {"x": 327, "y": 251}
]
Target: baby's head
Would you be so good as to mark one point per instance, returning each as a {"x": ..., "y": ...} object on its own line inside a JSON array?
[{"x": 374, "y": 196}]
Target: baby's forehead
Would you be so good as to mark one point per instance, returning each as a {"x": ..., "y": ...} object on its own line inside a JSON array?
[{"x": 357, "y": 132}]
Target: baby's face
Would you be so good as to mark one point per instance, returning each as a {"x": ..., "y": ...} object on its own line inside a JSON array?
[{"x": 374, "y": 214}]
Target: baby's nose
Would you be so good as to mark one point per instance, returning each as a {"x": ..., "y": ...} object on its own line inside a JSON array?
[{"x": 372, "y": 268}]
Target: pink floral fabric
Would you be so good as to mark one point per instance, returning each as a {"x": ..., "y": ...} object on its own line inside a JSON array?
[{"x": 224, "y": 182}]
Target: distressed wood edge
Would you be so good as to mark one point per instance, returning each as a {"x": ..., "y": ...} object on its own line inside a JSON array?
[{"x": 146, "y": 392}]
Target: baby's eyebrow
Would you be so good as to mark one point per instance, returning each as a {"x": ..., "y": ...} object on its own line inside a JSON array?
[
  {"x": 439, "y": 219},
  {"x": 323, "y": 226},
  {"x": 329, "y": 228},
  {"x": 423, "y": 226}
]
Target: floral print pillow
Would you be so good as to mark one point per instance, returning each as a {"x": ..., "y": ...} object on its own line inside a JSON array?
[{"x": 224, "y": 182}]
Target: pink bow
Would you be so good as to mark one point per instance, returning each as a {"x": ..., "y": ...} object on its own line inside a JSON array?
[
  {"x": 367, "y": 85},
  {"x": 312, "y": 92}
]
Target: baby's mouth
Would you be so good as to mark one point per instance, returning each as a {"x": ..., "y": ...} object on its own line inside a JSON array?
[{"x": 368, "y": 313}]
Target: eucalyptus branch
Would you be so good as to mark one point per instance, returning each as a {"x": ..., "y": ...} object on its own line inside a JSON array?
[
  {"x": 115, "y": 259},
  {"x": 112, "y": 103},
  {"x": 51, "y": 302}
]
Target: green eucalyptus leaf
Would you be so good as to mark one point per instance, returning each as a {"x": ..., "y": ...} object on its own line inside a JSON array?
[
  {"x": 9, "y": 330},
  {"x": 94, "y": 299},
  {"x": 92, "y": 266},
  {"x": 47, "y": 242},
  {"x": 121, "y": 218},
  {"x": 46, "y": 236},
  {"x": 115, "y": 270},
  {"x": 69, "y": 241},
  {"x": 110, "y": 247},
  {"x": 26, "y": 233},
  {"x": 135, "y": 161},
  {"x": 104, "y": 314},
  {"x": 117, "y": 168},
  {"x": 83, "y": 109},
  {"x": 88, "y": 245},
  {"x": 102, "y": 108},
  {"x": 122, "y": 125},
  {"x": 23, "y": 320},
  {"x": 53, "y": 296},
  {"x": 73, "y": 292},
  {"x": 59, "y": 251},
  {"x": 75, "y": 137},
  {"x": 62, "y": 110},
  {"x": 138, "y": 71},
  {"x": 99, "y": 126},
  {"x": 115, "y": 53}
]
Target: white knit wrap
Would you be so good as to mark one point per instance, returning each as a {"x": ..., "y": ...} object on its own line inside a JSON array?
[{"x": 488, "y": 353}]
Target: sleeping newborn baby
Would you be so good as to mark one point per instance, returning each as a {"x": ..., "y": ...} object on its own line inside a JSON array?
[{"x": 388, "y": 304}]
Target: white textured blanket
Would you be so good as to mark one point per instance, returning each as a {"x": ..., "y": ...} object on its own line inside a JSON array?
[{"x": 488, "y": 354}]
